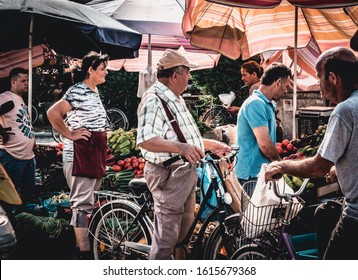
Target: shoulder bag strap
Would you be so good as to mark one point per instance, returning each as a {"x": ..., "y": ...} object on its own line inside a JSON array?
[{"x": 173, "y": 121}]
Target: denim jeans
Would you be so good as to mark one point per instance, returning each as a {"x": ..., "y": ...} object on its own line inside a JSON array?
[{"x": 22, "y": 174}]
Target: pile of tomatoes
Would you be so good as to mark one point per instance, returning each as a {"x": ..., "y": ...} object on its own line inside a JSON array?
[{"x": 131, "y": 163}]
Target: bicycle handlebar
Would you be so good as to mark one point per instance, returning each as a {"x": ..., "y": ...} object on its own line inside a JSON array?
[
  {"x": 234, "y": 150},
  {"x": 286, "y": 196}
]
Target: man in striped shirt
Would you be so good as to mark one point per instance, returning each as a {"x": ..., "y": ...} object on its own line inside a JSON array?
[{"x": 174, "y": 196}]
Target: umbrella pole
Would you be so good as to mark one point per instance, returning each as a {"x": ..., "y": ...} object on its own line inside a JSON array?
[
  {"x": 294, "y": 97},
  {"x": 29, "y": 100},
  {"x": 149, "y": 66}
]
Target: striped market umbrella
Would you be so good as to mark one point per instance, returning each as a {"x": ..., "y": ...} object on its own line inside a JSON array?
[
  {"x": 245, "y": 28},
  {"x": 205, "y": 58}
]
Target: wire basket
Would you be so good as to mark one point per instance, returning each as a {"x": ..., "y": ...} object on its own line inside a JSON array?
[{"x": 259, "y": 219}]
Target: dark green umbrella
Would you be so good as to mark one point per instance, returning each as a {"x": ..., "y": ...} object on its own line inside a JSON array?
[{"x": 67, "y": 27}]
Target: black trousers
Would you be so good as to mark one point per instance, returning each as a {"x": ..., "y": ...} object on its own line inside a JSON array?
[{"x": 336, "y": 235}]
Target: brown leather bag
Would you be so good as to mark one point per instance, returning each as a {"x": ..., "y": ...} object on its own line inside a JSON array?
[{"x": 89, "y": 156}]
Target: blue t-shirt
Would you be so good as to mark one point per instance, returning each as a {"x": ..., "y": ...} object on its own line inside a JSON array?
[{"x": 256, "y": 111}]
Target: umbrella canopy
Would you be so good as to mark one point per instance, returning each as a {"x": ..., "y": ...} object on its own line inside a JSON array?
[
  {"x": 68, "y": 27},
  {"x": 248, "y": 27},
  {"x": 160, "y": 23},
  {"x": 205, "y": 60},
  {"x": 20, "y": 58},
  {"x": 159, "y": 17}
]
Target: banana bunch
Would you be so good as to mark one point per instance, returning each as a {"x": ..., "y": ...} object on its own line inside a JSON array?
[{"x": 122, "y": 143}]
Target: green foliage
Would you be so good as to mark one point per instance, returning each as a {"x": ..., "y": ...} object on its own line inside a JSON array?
[
  {"x": 225, "y": 77},
  {"x": 51, "y": 80},
  {"x": 120, "y": 91}
]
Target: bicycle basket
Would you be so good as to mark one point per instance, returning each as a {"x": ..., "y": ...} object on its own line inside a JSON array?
[{"x": 257, "y": 219}]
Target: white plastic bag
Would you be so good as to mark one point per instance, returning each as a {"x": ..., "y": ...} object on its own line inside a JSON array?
[
  {"x": 227, "y": 98},
  {"x": 265, "y": 211}
]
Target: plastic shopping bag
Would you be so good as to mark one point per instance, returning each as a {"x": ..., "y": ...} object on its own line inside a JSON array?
[
  {"x": 265, "y": 211},
  {"x": 204, "y": 174}
]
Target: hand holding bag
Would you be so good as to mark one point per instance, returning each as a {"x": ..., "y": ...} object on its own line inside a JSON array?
[
  {"x": 89, "y": 156},
  {"x": 265, "y": 211}
]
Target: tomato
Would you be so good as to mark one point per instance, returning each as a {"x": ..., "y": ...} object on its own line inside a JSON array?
[
  {"x": 289, "y": 147},
  {"x": 127, "y": 165},
  {"x": 141, "y": 166},
  {"x": 120, "y": 162},
  {"x": 135, "y": 164},
  {"x": 141, "y": 160},
  {"x": 133, "y": 158},
  {"x": 285, "y": 142},
  {"x": 127, "y": 160},
  {"x": 116, "y": 168}
]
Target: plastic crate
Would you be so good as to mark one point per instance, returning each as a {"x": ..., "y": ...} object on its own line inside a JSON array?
[{"x": 305, "y": 246}]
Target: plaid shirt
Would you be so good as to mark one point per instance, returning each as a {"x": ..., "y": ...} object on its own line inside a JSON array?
[{"x": 153, "y": 121}]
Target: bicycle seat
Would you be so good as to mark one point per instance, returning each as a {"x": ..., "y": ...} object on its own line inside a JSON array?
[{"x": 138, "y": 186}]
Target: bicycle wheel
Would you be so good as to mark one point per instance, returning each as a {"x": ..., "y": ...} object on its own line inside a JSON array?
[
  {"x": 34, "y": 114},
  {"x": 116, "y": 224},
  {"x": 216, "y": 116},
  {"x": 116, "y": 119},
  {"x": 57, "y": 136},
  {"x": 192, "y": 106},
  {"x": 220, "y": 247},
  {"x": 251, "y": 252}
]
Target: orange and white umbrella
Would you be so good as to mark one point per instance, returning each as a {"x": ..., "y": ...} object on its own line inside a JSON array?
[{"x": 245, "y": 28}]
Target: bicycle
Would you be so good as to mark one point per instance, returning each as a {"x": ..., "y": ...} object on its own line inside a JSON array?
[
  {"x": 122, "y": 227},
  {"x": 115, "y": 119},
  {"x": 273, "y": 242},
  {"x": 218, "y": 115}
]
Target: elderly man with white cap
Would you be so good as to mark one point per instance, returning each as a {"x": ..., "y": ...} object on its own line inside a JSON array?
[{"x": 167, "y": 129}]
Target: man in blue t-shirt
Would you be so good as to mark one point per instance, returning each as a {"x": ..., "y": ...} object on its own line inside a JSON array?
[{"x": 256, "y": 123}]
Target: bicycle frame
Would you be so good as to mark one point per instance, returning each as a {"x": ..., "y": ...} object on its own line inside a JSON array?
[
  {"x": 222, "y": 210},
  {"x": 144, "y": 209},
  {"x": 277, "y": 242}
]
